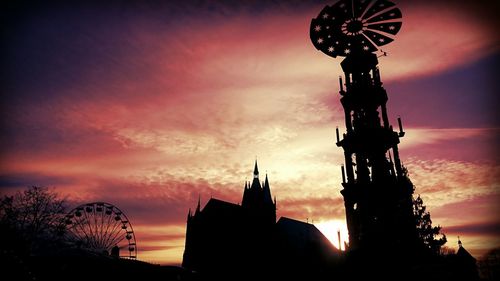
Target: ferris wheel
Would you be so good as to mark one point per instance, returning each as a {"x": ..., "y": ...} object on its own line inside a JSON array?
[{"x": 101, "y": 227}]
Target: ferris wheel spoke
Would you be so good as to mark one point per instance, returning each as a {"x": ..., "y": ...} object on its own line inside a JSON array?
[
  {"x": 81, "y": 225},
  {"x": 93, "y": 238},
  {"x": 117, "y": 234},
  {"x": 105, "y": 223},
  {"x": 75, "y": 236},
  {"x": 97, "y": 238},
  {"x": 86, "y": 222},
  {"x": 101, "y": 224},
  {"x": 91, "y": 231},
  {"x": 108, "y": 223},
  {"x": 88, "y": 239},
  {"x": 104, "y": 236},
  {"x": 98, "y": 224},
  {"x": 116, "y": 229},
  {"x": 117, "y": 239}
]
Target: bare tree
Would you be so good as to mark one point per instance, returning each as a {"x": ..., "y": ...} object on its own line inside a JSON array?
[
  {"x": 33, "y": 216},
  {"x": 447, "y": 251}
]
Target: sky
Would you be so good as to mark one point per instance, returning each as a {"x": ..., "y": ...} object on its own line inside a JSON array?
[{"x": 150, "y": 104}]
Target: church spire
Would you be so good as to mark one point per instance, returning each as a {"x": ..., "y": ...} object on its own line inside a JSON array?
[
  {"x": 268, "y": 200},
  {"x": 198, "y": 207},
  {"x": 256, "y": 170},
  {"x": 244, "y": 200},
  {"x": 255, "y": 182}
]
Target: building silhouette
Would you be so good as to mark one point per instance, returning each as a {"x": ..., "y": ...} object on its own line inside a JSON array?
[
  {"x": 465, "y": 264},
  {"x": 226, "y": 240}
]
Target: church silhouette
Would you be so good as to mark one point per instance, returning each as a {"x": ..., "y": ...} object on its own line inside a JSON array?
[{"x": 232, "y": 241}]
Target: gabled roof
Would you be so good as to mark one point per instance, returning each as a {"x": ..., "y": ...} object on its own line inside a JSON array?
[
  {"x": 219, "y": 208},
  {"x": 464, "y": 254}
]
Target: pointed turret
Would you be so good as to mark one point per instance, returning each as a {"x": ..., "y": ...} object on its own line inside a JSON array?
[
  {"x": 245, "y": 199},
  {"x": 256, "y": 170},
  {"x": 255, "y": 183},
  {"x": 198, "y": 207},
  {"x": 268, "y": 200},
  {"x": 189, "y": 215}
]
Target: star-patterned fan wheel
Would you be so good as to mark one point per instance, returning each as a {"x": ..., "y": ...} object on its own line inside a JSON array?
[{"x": 355, "y": 26}]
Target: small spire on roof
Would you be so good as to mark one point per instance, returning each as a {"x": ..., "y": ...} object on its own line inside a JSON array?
[{"x": 198, "y": 207}]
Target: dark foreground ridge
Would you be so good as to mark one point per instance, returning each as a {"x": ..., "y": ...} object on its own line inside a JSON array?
[{"x": 85, "y": 266}]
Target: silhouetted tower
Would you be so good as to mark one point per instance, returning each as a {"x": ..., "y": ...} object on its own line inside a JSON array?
[
  {"x": 377, "y": 191},
  {"x": 257, "y": 199},
  {"x": 227, "y": 237}
]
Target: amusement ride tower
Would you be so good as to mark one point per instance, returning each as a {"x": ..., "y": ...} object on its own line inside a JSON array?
[{"x": 376, "y": 189}]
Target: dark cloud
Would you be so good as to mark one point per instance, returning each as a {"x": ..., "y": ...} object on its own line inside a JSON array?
[
  {"x": 487, "y": 229},
  {"x": 461, "y": 97},
  {"x": 458, "y": 148},
  {"x": 24, "y": 180}
]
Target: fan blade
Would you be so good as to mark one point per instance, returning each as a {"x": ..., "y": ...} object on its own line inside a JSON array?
[
  {"x": 389, "y": 27},
  {"x": 389, "y": 15},
  {"x": 365, "y": 42},
  {"x": 342, "y": 10},
  {"x": 378, "y": 38},
  {"x": 378, "y": 7},
  {"x": 316, "y": 32},
  {"x": 326, "y": 29},
  {"x": 360, "y": 7}
]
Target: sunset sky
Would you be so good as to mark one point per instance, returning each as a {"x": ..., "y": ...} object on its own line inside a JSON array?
[{"x": 149, "y": 104}]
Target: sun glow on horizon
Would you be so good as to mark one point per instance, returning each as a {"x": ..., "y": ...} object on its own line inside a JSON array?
[{"x": 330, "y": 229}]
